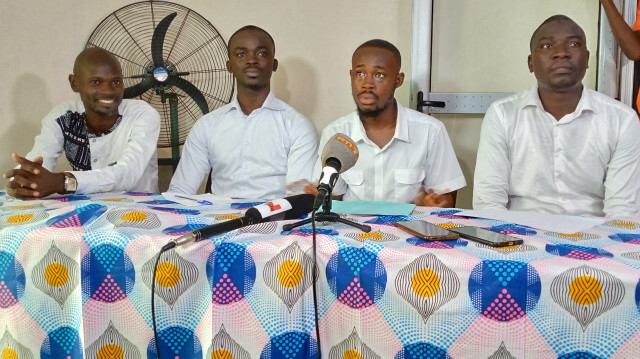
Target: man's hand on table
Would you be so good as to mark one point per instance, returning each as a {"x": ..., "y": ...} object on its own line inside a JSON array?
[
  {"x": 432, "y": 198},
  {"x": 32, "y": 181}
]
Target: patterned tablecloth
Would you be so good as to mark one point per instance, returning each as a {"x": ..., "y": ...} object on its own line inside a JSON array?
[{"x": 76, "y": 272}]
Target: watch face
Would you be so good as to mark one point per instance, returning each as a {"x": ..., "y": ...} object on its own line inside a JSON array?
[{"x": 70, "y": 184}]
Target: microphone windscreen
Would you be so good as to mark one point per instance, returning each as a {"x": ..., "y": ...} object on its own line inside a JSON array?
[
  {"x": 342, "y": 148},
  {"x": 284, "y": 208},
  {"x": 301, "y": 204}
]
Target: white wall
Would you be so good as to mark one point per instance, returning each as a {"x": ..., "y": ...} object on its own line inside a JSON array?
[{"x": 478, "y": 46}]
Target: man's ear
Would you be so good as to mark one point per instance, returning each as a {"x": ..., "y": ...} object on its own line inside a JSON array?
[
  {"x": 228, "y": 66},
  {"x": 399, "y": 79},
  {"x": 275, "y": 65},
  {"x": 588, "y": 54},
  {"x": 73, "y": 82},
  {"x": 530, "y": 63}
]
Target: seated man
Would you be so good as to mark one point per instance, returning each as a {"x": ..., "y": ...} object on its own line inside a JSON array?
[
  {"x": 254, "y": 145},
  {"x": 405, "y": 155},
  {"x": 559, "y": 147},
  {"x": 109, "y": 142}
]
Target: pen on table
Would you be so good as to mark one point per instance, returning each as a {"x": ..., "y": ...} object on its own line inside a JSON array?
[{"x": 193, "y": 199}]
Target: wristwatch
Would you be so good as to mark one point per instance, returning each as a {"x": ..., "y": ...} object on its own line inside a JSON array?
[{"x": 70, "y": 184}]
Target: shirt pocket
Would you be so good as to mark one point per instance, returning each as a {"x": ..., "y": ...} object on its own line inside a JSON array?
[
  {"x": 407, "y": 183},
  {"x": 355, "y": 183}
]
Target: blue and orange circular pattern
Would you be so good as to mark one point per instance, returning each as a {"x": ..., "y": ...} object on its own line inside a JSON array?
[
  {"x": 290, "y": 345},
  {"x": 12, "y": 280},
  {"x": 112, "y": 274},
  {"x": 494, "y": 296},
  {"x": 62, "y": 343},
  {"x": 422, "y": 350},
  {"x": 231, "y": 272},
  {"x": 176, "y": 342},
  {"x": 356, "y": 277}
]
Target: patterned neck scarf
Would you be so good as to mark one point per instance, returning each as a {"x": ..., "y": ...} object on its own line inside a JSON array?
[{"x": 76, "y": 139}]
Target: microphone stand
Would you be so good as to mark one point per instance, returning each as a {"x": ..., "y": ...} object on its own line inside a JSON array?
[{"x": 327, "y": 216}]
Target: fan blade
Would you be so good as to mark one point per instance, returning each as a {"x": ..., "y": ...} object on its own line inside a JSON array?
[
  {"x": 193, "y": 92},
  {"x": 157, "y": 41},
  {"x": 139, "y": 88}
]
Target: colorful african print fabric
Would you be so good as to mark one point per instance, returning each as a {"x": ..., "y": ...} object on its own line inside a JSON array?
[{"x": 76, "y": 275}]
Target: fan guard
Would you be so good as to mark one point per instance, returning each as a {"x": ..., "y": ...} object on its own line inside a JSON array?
[{"x": 192, "y": 48}]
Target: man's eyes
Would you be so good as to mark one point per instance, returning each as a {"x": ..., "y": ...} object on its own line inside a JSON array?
[
  {"x": 571, "y": 44},
  {"x": 260, "y": 53},
  {"x": 377, "y": 75},
  {"x": 96, "y": 82}
]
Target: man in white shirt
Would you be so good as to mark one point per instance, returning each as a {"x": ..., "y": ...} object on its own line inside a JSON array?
[
  {"x": 559, "y": 147},
  {"x": 255, "y": 145},
  {"x": 109, "y": 142},
  {"x": 404, "y": 155}
]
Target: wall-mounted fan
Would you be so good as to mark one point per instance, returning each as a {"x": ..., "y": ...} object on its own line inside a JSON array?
[{"x": 171, "y": 57}]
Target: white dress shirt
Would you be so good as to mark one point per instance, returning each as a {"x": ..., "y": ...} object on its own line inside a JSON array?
[
  {"x": 587, "y": 163},
  {"x": 252, "y": 156},
  {"x": 419, "y": 155},
  {"x": 123, "y": 160}
]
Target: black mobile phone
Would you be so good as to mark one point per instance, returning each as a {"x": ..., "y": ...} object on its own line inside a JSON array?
[
  {"x": 487, "y": 237},
  {"x": 426, "y": 230}
]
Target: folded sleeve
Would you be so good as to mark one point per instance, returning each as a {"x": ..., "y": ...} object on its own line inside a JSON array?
[
  {"x": 303, "y": 151},
  {"x": 621, "y": 185},
  {"x": 194, "y": 164},
  {"x": 444, "y": 173},
  {"x": 491, "y": 178}
]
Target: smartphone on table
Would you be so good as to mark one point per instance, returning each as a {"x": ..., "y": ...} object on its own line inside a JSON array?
[
  {"x": 487, "y": 237},
  {"x": 426, "y": 230}
]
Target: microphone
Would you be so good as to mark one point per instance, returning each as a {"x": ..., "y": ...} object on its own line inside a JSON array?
[
  {"x": 339, "y": 154},
  {"x": 290, "y": 207}
]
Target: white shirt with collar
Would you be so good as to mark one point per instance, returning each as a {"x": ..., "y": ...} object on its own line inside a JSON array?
[
  {"x": 251, "y": 156},
  {"x": 587, "y": 163},
  {"x": 125, "y": 159},
  {"x": 419, "y": 155}
]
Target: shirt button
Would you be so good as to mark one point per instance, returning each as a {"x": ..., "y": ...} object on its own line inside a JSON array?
[
  {"x": 93, "y": 140},
  {"x": 95, "y": 160}
]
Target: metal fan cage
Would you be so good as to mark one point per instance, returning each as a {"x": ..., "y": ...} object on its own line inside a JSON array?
[{"x": 192, "y": 44}]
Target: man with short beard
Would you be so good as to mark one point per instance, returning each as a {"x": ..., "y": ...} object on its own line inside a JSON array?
[
  {"x": 109, "y": 142},
  {"x": 404, "y": 155}
]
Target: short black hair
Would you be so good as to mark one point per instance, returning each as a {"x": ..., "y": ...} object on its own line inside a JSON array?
[
  {"x": 383, "y": 44},
  {"x": 252, "y": 28},
  {"x": 554, "y": 18}
]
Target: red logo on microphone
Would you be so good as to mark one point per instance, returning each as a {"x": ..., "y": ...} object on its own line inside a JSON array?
[
  {"x": 348, "y": 143},
  {"x": 274, "y": 207}
]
